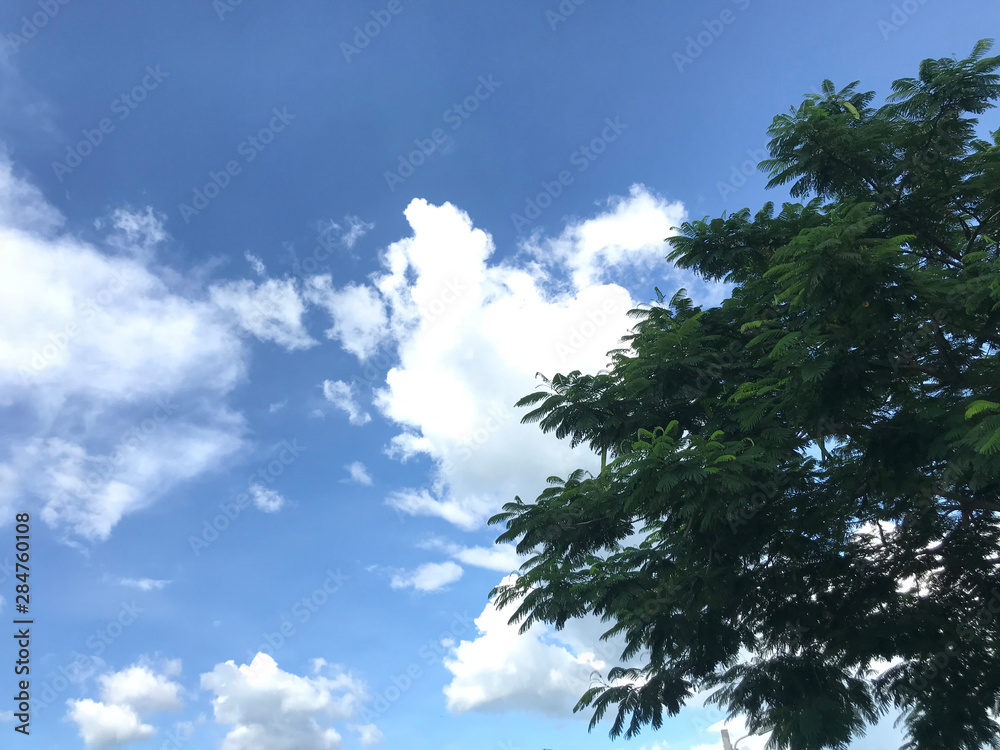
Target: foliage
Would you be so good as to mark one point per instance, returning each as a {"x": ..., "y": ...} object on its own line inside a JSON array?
[{"x": 801, "y": 505}]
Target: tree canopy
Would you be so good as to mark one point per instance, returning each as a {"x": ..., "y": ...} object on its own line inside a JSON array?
[{"x": 801, "y": 502}]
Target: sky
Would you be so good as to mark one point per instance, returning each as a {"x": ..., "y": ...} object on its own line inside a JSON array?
[{"x": 272, "y": 278}]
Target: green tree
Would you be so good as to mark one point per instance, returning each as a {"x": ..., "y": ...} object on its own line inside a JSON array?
[{"x": 801, "y": 504}]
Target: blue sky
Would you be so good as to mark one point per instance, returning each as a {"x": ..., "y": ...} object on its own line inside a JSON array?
[{"x": 272, "y": 280}]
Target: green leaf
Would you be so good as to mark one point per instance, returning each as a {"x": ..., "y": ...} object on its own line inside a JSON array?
[{"x": 978, "y": 407}]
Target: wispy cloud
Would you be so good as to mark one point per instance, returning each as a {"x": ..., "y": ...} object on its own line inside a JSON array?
[
  {"x": 341, "y": 395},
  {"x": 429, "y": 577},
  {"x": 143, "y": 584}
]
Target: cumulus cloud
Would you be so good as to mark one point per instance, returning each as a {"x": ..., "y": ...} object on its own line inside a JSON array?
[
  {"x": 99, "y": 335},
  {"x": 142, "y": 689},
  {"x": 629, "y": 233},
  {"x": 270, "y": 709},
  {"x": 470, "y": 333},
  {"x": 79, "y": 323},
  {"x": 429, "y": 577},
  {"x": 358, "y": 473},
  {"x": 101, "y": 725},
  {"x": 266, "y": 499},
  {"x": 341, "y": 395},
  {"x": 539, "y": 671},
  {"x": 359, "y": 316},
  {"x": 270, "y": 311},
  {"x": 125, "y": 695}
]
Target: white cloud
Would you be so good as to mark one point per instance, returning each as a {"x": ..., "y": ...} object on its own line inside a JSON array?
[
  {"x": 277, "y": 406},
  {"x": 101, "y": 725},
  {"x": 270, "y": 709},
  {"x": 429, "y": 577},
  {"x": 144, "y": 584},
  {"x": 141, "y": 689},
  {"x": 358, "y": 473},
  {"x": 369, "y": 734},
  {"x": 266, "y": 499},
  {"x": 140, "y": 230},
  {"x": 359, "y": 317},
  {"x": 539, "y": 671},
  {"x": 88, "y": 493},
  {"x": 467, "y": 513},
  {"x": 630, "y": 233},
  {"x": 341, "y": 395},
  {"x": 22, "y": 205},
  {"x": 346, "y": 234},
  {"x": 256, "y": 264},
  {"x": 80, "y": 323},
  {"x": 271, "y": 311},
  {"x": 502, "y": 558},
  {"x": 125, "y": 695},
  {"x": 470, "y": 334},
  {"x": 354, "y": 230},
  {"x": 102, "y": 337}
]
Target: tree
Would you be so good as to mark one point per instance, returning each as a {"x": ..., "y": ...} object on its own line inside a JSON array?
[{"x": 801, "y": 506}]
